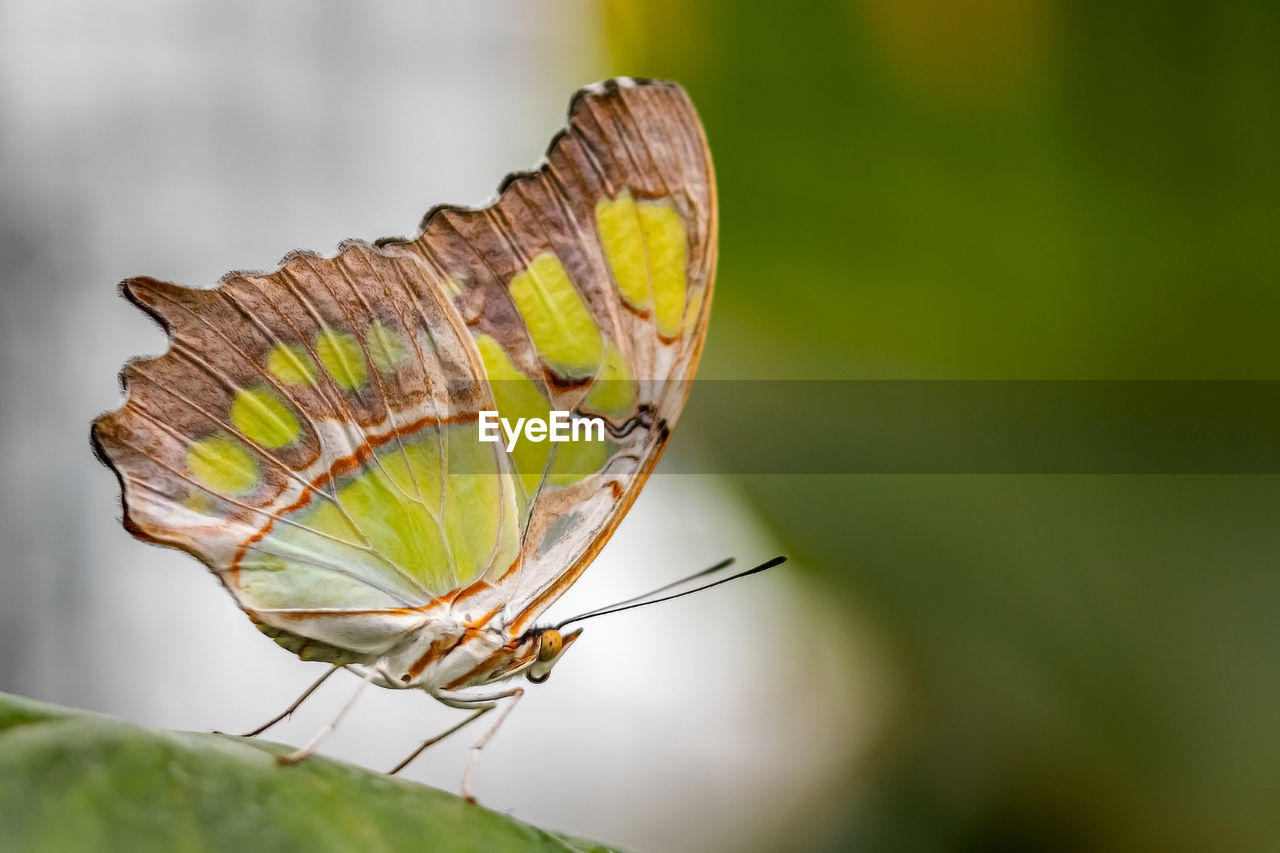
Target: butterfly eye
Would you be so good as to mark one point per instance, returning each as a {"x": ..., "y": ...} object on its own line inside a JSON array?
[{"x": 550, "y": 645}]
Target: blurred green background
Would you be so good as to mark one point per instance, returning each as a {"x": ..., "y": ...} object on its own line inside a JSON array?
[{"x": 1011, "y": 189}]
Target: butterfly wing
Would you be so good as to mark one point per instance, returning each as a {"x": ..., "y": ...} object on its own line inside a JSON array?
[
  {"x": 587, "y": 287},
  {"x": 311, "y": 434}
]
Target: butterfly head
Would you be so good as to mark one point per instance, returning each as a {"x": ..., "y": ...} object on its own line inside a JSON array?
[{"x": 551, "y": 646}]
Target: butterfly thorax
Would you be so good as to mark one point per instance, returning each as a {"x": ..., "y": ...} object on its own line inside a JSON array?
[
  {"x": 461, "y": 655},
  {"x": 451, "y": 654}
]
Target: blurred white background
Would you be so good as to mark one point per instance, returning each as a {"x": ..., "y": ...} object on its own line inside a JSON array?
[{"x": 182, "y": 140}]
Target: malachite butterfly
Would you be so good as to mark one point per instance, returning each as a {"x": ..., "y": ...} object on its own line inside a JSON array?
[{"x": 311, "y": 433}]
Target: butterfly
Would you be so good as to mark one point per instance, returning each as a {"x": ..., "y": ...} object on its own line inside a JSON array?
[{"x": 312, "y": 434}]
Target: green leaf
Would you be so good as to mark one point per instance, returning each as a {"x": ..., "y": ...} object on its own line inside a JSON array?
[{"x": 72, "y": 780}]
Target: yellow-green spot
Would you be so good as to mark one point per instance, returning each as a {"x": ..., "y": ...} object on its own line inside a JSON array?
[
  {"x": 264, "y": 418},
  {"x": 224, "y": 464},
  {"x": 557, "y": 319},
  {"x": 291, "y": 364},
  {"x": 398, "y": 527},
  {"x": 623, "y": 243},
  {"x": 387, "y": 347},
  {"x": 415, "y": 471},
  {"x": 399, "y": 522},
  {"x": 665, "y": 241},
  {"x": 479, "y": 524},
  {"x": 575, "y": 460},
  {"x": 341, "y": 355},
  {"x": 379, "y": 512},
  {"x": 613, "y": 391},
  {"x": 516, "y": 397}
]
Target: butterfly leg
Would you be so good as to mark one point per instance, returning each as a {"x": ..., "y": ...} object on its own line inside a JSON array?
[
  {"x": 296, "y": 703},
  {"x": 480, "y": 712},
  {"x": 480, "y": 744},
  {"x": 307, "y": 749},
  {"x": 481, "y": 705}
]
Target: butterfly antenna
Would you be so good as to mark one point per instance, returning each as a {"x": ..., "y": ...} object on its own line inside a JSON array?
[
  {"x": 723, "y": 564},
  {"x": 646, "y": 599}
]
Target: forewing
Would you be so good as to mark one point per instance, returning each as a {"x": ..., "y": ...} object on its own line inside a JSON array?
[{"x": 587, "y": 287}]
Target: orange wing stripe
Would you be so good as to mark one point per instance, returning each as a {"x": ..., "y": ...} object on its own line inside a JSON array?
[{"x": 341, "y": 466}]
